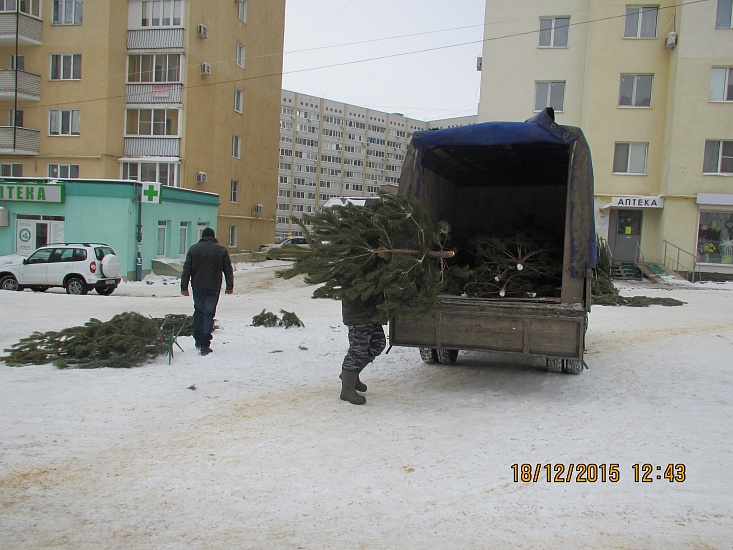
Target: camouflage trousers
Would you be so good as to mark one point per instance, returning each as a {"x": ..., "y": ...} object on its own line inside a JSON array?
[{"x": 365, "y": 343}]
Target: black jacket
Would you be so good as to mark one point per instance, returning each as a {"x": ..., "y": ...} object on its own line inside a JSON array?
[
  {"x": 358, "y": 312},
  {"x": 205, "y": 262}
]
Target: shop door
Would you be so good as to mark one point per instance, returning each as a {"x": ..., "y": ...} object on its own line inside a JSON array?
[{"x": 625, "y": 234}]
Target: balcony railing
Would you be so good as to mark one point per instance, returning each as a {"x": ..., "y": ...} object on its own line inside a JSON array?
[
  {"x": 154, "y": 94},
  {"x": 19, "y": 141},
  {"x": 152, "y": 146},
  {"x": 155, "y": 39},
  {"x": 28, "y": 29},
  {"x": 29, "y": 85}
]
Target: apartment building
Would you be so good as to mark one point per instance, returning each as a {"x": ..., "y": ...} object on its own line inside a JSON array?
[
  {"x": 333, "y": 149},
  {"x": 183, "y": 93},
  {"x": 651, "y": 85}
]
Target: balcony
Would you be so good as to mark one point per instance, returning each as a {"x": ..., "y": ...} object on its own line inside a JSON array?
[
  {"x": 154, "y": 94},
  {"x": 28, "y": 85},
  {"x": 163, "y": 39},
  {"x": 152, "y": 146},
  {"x": 19, "y": 141},
  {"x": 29, "y": 29}
]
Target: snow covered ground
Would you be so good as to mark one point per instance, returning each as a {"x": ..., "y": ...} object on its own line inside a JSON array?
[{"x": 263, "y": 454}]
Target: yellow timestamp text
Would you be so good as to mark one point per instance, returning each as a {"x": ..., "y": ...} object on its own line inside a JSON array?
[{"x": 593, "y": 473}]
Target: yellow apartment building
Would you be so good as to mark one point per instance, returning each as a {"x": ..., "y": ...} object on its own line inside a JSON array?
[
  {"x": 180, "y": 92},
  {"x": 651, "y": 85}
]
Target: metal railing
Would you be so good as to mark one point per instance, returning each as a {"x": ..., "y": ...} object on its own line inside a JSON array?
[{"x": 681, "y": 261}]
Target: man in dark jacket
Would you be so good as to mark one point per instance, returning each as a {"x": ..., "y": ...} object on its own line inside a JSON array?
[
  {"x": 205, "y": 263},
  {"x": 366, "y": 341}
]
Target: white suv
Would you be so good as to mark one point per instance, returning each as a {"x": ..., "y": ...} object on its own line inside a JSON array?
[{"x": 77, "y": 267}]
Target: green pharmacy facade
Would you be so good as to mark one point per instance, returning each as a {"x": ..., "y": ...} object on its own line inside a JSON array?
[{"x": 142, "y": 221}]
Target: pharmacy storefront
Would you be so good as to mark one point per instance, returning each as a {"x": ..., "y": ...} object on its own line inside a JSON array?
[
  {"x": 36, "y": 212},
  {"x": 623, "y": 217}
]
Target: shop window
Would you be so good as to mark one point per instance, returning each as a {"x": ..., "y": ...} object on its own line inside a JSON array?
[{"x": 715, "y": 238}]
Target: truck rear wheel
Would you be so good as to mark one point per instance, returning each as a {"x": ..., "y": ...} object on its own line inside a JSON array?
[
  {"x": 429, "y": 355},
  {"x": 447, "y": 356}
]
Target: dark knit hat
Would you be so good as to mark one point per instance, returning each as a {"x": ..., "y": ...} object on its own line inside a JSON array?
[{"x": 208, "y": 232}]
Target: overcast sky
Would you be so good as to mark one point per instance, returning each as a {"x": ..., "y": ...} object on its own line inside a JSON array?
[{"x": 440, "y": 83}]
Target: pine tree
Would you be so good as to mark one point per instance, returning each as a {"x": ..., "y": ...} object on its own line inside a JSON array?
[{"x": 387, "y": 248}]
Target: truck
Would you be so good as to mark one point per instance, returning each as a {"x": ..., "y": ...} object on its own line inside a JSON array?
[{"x": 495, "y": 177}]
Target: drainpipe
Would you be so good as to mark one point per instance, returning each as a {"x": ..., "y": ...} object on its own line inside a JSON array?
[
  {"x": 139, "y": 256},
  {"x": 15, "y": 105}
]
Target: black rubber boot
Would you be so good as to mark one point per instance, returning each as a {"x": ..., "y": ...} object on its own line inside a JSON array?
[
  {"x": 348, "y": 389},
  {"x": 359, "y": 386}
]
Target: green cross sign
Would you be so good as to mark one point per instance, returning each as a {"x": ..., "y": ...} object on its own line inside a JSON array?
[{"x": 151, "y": 193}]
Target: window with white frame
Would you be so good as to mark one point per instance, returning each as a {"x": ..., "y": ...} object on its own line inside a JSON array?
[
  {"x": 151, "y": 122},
  {"x": 66, "y": 66},
  {"x": 162, "y": 231},
  {"x": 29, "y": 7},
  {"x": 64, "y": 122},
  {"x": 238, "y": 100},
  {"x": 161, "y": 13},
  {"x": 63, "y": 171},
  {"x": 718, "y": 157},
  {"x": 15, "y": 117},
  {"x": 240, "y": 55},
  {"x": 549, "y": 94},
  {"x": 630, "y": 157},
  {"x": 67, "y": 12},
  {"x": 554, "y": 32},
  {"x": 165, "y": 173},
  {"x": 641, "y": 22},
  {"x": 154, "y": 68},
  {"x": 635, "y": 90},
  {"x": 721, "y": 84},
  {"x": 724, "y": 14},
  {"x": 234, "y": 191},
  {"x": 183, "y": 239},
  {"x": 232, "y": 236},
  {"x": 11, "y": 170},
  {"x": 18, "y": 60},
  {"x": 236, "y": 146},
  {"x": 242, "y": 10}
]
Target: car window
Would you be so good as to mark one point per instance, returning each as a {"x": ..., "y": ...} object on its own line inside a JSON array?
[
  {"x": 65, "y": 254},
  {"x": 101, "y": 251},
  {"x": 40, "y": 256},
  {"x": 80, "y": 254}
]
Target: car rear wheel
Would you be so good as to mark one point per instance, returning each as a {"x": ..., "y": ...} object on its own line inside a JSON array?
[
  {"x": 77, "y": 286},
  {"x": 9, "y": 283},
  {"x": 105, "y": 290}
]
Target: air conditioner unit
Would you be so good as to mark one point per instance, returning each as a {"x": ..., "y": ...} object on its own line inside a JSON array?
[
  {"x": 202, "y": 177},
  {"x": 205, "y": 68},
  {"x": 202, "y": 31},
  {"x": 671, "y": 40},
  {"x": 258, "y": 209}
]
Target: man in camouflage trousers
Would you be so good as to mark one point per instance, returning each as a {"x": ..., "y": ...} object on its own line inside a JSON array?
[{"x": 366, "y": 341}]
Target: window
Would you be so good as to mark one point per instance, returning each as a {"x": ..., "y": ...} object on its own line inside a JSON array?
[
  {"x": 183, "y": 239},
  {"x": 724, "y": 13},
  {"x": 234, "y": 191},
  {"x": 162, "y": 67},
  {"x": 721, "y": 84},
  {"x": 29, "y": 7},
  {"x": 64, "y": 122},
  {"x": 236, "y": 147},
  {"x": 8, "y": 170},
  {"x": 715, "y": 238},
  {"x": 67, "y": 12},
  {"x": 242, "y": 10},
  {"x": 15, "y": 118},
  {"x": 635, "y": 90},
  {"x": 554, "y": 32},
  {"x": 63, "y": 171},
  {"x": 232, "y": 236},
  {"x": 152, "y": 122},
  {"x": 718, "y": 157},
  {"x": 630, "y": 158},
  {"x": 549, "y": 94},
  {"x": 161, "y": 13},
  {"x": 165, "y": 173},
  {"x": 240, "y": 55},
  {"x": 641, "y": 22},
  {"x": 19, "y": 60},
  {"x": 239, "y": 100},
  {"x": 162, "y": 226},
  {"x": 66, "y": 66}
]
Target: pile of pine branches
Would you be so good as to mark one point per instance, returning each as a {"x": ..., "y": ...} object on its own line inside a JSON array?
[{"x": 127, "y": 340}]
